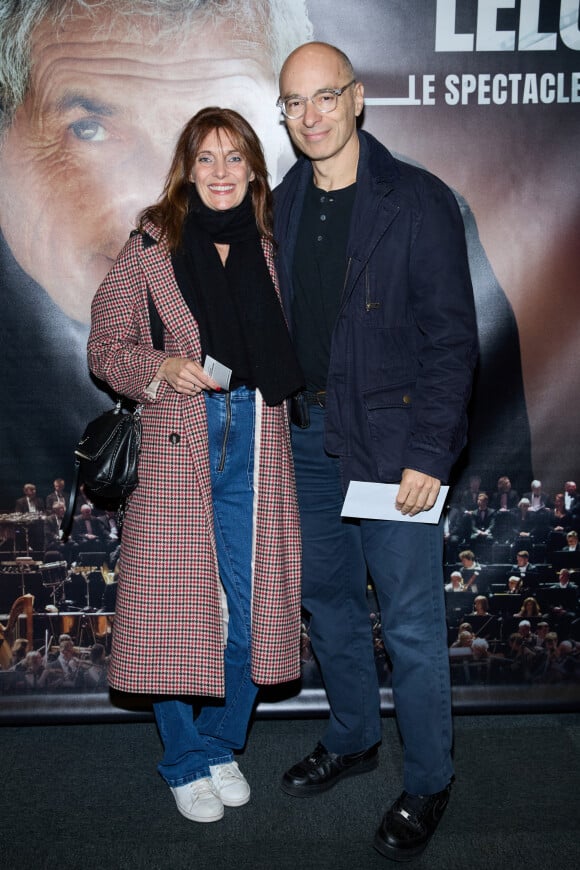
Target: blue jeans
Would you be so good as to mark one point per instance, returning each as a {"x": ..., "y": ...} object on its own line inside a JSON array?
[
  {"x": 194, "y": 740},
  {"x": 405, "y": 563}
]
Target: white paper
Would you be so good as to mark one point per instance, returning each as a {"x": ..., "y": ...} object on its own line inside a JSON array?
[
  {"x": 220, "y": 373},
  {"x": 376, "y": 501}
]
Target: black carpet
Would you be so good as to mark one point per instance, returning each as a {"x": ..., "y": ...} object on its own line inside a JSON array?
[{"x": 88, "y": 796}]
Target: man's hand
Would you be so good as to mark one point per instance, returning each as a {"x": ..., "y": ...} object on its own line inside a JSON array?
[{"x": 417, "y": 492}]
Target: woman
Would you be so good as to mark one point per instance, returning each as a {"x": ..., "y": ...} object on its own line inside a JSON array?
[
  {"x": 480, "y": 605},
  {"x": 530, "y": 608},
  {"x": 210, "y": 553}
]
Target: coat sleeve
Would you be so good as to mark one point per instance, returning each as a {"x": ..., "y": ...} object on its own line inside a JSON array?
[
  {"x": 443, "y": 306},
  {"x": 120, "y": 349}
]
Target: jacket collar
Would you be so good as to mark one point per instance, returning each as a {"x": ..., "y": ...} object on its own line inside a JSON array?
[{"x": 375, "y": 206}]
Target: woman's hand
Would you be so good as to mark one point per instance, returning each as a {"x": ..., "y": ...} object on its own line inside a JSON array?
[{"x": 185, "y": 376}]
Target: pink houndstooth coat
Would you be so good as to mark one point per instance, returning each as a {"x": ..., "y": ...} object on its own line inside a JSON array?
[{"x": 168, "y": 636}]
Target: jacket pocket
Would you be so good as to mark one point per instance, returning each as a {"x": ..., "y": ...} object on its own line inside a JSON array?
[{"x": 388, "y": 417}]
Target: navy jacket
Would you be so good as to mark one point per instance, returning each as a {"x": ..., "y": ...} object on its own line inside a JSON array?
[{"x": 404, "y": 345}]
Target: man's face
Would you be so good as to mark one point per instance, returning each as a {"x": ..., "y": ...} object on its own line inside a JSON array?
[
  {"x": 67, "y": 649},
  {"x": 92, "y": 143},
  {"x": 321, "y": 136},
  {"x": 570, "y": 487},
  {"x": 522, "y": 560},
  {"x": 30, "y": 491}
]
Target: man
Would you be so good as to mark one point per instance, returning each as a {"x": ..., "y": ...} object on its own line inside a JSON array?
[
  {"x": 482, "y": 524},
  {"x": 525, "y": 631},
  {"x": 30, "y": 535},
  {"x": 56, "y": 549},
  {"x": 562, "y": 599},
  {"x": 571, "y": 497},
  {"x": 471, "y": 571},
  {"x": 525, "y": 571},
  {"x": 92, "y": 99},
  {"x": 564, "y": 581},
  {"x": 375, "y": 282},
  {"x": 538, "y": 498},
  {"x": 505, "y": 497},
  {"x": 88, "y": 531},
  {"x": 57, "y": 496},
  {"x": 65, "y": 671},
  {"x": 30, "y": 502},
  {"x": 571, "y": 542}
]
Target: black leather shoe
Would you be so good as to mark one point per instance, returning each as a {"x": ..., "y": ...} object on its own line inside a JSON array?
[
  {"x": 410, "y": 823},
  {"x": 322, "y": 769}
]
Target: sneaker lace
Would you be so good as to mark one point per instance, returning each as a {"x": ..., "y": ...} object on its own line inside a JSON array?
[
  {"x": 202, "y": 789},
  {"x": 227, "y": 774}
]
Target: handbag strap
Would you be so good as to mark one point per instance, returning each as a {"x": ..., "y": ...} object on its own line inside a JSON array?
[
  {"x": 66, "y": 524},
  {"x": 157, "y": 335}
]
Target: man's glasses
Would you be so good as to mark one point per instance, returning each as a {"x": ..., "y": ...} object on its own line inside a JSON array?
[{"x": 324, "y": 101}]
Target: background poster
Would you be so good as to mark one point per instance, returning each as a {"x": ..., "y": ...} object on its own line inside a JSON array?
[{"x": 484, "y": 94}]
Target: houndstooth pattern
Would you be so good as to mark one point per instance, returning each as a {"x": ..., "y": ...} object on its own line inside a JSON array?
[{"x": 168, "y": 635}]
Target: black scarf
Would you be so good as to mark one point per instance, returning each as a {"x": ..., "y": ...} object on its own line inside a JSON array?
[{"x": 240, "y": 319}]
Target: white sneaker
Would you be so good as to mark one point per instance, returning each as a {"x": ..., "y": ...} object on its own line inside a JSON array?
[
  {"x": 230, "y": 784},
  {"x": 199, "y": 801}
]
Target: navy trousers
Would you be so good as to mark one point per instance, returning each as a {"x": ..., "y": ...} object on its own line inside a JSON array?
[{"x": 405, "y": 563}]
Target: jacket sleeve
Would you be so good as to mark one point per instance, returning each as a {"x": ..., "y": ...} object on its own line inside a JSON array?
[
  {"x": 444, "y": 311},
  {"x": 120, "y": 349}
]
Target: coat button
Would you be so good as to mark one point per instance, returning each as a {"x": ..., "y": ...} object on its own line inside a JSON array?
[
  {"x": 174, "y": 438},
  {"x": 406, "y": 399}
]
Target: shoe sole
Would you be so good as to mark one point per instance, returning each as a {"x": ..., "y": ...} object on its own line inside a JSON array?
[
  {"x": 319, "y": 788},
  {"x": 397, "y": 854},
  {"x": 238, "y": 803},
  {"x": 192, "y": 818}
]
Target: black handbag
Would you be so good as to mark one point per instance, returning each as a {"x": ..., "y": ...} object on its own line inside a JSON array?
[
  {"x": 106, "y": 458},
  {"x": 107, "y": 455}
]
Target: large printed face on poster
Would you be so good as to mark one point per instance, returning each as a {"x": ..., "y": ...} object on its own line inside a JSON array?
[{"x": 89, "y": 146}]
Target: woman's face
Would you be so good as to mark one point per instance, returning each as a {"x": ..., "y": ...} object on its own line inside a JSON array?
[{"x": 220, "y": 173}]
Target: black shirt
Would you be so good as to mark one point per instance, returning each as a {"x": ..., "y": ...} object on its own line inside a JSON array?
[{"x": 319, "y": 270}]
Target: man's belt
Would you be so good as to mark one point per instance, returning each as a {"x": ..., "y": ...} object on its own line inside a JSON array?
[{"x": 318, "y": 398}]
